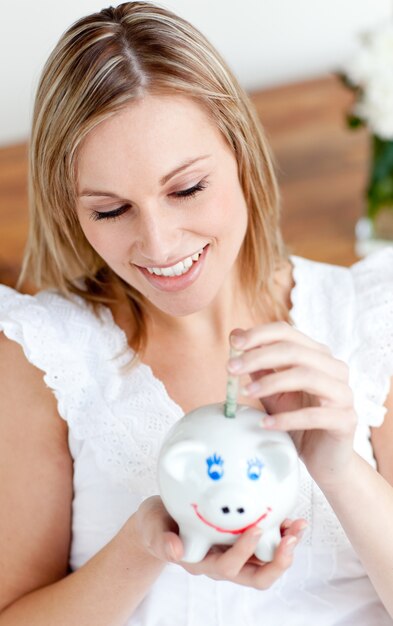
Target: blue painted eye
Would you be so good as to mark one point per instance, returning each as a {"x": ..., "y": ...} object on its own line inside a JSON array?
[
  {"x": 215, "y": 467},
  {"x": 254, "y": 469}
]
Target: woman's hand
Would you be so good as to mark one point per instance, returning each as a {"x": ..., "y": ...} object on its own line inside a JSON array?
[
  {"x": 237, "y": 563},
  {"x": 304, "y": 389}
]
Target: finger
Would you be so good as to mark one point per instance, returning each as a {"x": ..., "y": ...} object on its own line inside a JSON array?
[
  {"x": 263, "y": 575},
  {"x": 301, "y": 378},
  {"x": 295, "y": 528},
  {"x": 285, "y": 525},
  {"x": 283, "y": 557},
  {"x": 288, "y": 354},
  {"x": 339, "y": 421},
  {"x": 288, "y": 527},
  {"x": 270, "y": 333},
  {"x": 229, "y": 564}
]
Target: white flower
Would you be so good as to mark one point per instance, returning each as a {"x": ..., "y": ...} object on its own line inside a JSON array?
[{"x": 371, "y": 69}]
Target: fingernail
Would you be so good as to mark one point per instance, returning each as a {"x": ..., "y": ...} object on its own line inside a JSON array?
[
  {"x": 251, "y": 387},
  {"x": 301, "y": 531},
  {"x": 268, "y": 421},
  {"x": 238, "y": 340},
  {"x": 256, "y": 531},
  {"x": 234, "y": 364},
  {"x": 290, "y": 545},
  {"x": 170, "y": 553}
]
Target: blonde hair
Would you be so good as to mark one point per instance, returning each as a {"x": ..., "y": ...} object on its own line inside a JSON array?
[{"x": 99, "y": 66}]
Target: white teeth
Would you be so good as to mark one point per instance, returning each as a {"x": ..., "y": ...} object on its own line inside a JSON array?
[
  {"x": 176, "y": 270},
  {"x": 168, "y": 271}
]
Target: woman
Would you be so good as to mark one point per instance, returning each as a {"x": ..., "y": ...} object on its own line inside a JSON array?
[{"x": 155, "y": 237}]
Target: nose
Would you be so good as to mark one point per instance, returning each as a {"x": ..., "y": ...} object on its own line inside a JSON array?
[
  {"x": 226, "y": 509},
  {"x": 156, "y": 236}
]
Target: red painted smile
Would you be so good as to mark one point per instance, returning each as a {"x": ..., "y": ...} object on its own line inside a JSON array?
[{"x": 237, "y": 531}]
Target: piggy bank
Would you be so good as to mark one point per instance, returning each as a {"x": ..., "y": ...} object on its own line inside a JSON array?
[{"x": 219, "y": 476}]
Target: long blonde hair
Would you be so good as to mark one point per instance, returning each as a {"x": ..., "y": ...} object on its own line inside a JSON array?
[{"x": 100, "y": 65}]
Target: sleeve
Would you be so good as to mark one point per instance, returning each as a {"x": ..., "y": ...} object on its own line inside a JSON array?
[
  {"x": 84, "y": 363},
  {"x": 36, "y": 323},
  {"x": 55, "y": 336},
  {"x": 372, "y": 356}
]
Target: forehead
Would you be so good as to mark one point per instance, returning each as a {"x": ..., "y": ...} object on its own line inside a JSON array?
[{"x": 153, "y": 133}]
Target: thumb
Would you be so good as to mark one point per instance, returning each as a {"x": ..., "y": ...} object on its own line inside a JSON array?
[{"x": 159, "y": 531}]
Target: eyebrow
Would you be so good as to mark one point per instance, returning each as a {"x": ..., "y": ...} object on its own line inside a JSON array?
[{"x": 163, "y": 180}]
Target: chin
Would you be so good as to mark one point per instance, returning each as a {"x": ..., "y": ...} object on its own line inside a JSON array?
[
  {"x": 181, "y": 304},
  {"x": 182, "y": 309}
]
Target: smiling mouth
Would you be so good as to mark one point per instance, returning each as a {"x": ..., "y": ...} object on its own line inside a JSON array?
[
  {"x": 180, "y": 281},
  {"x": 176, "y": 269},
  {"x": 237, "y": 531}
]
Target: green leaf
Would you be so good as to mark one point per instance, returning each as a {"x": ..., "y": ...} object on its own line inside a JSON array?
[
  {"x": 380, "y": 188},
  {"x": 382, "y": 159},
  {"x": 353, "y": 121}
]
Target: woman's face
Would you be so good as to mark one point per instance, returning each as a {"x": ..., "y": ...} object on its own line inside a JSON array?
[{"x": 158, "y": 185}]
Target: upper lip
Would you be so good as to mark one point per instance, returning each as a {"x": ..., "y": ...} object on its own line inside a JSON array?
[{"x": 173, "y": 262}]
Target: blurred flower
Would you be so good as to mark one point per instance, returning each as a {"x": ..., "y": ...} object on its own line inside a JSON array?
[{"x": 370, "y": 74}]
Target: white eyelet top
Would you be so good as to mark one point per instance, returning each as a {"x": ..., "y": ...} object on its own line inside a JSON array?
[{"x": 117, "y": 418}]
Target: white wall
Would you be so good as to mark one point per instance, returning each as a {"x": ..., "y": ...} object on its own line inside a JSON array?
[{"x": 266, "y": 42}]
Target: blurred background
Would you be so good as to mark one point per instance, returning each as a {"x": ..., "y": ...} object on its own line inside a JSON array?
[
  {"x": 284, "y": 52},
  {"x": 266, "y": 42}
]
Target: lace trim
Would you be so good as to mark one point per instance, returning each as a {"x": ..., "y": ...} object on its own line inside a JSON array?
[{"x": 372, "y": 357}]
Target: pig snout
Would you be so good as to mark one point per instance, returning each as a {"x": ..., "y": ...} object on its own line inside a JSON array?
[
  {"x": 227, "y": 509},
  {"x": 230, "y": 509}
]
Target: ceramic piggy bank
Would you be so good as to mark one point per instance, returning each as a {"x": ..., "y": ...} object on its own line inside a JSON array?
[{"x": 219, "y": 476}]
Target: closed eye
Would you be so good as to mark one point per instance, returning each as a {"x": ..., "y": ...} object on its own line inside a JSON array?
[
  {"x": 192, "y": 191},
  {"x": 109, "y": 215},
  {"x": 116, "y": 213}
]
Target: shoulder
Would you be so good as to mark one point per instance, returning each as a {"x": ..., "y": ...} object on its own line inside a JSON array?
[
  {"x": 373, "y": 281},
  {"x": 323, "y": 299},
  {"x": 48, "y": 303},
  {"x": 322, "y": 281},
  {"x": 351, "y": 310},
  {"x": 63, "y": 338},
  {"x": 373, "y": 286},
  {"x": 24, "y": 392},
  {"x": 373, "y": 330},
  {"x": 34, "y": 345},
  {"x": 80, "y": 354},
  {"x": 48, "y": 322},
  {"x": 355, "y": 292},
  {"x": 18, "y": 309}
]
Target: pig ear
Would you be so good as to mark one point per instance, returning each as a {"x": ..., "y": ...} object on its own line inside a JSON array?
[
  {"x": 179, "y": 461},
  {"x": 281, "y": 458}
]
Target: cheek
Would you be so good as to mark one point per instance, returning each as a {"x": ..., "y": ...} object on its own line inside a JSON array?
[
  {"x": 225, "y": 212},
  {"x": 234, "y": 212},
  {"x": 106, "y": 239}
]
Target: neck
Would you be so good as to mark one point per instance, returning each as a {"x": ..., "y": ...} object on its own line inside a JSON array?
[
  {"x": 212, "y": 324},
  {"x": 228, "y": 310}
]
